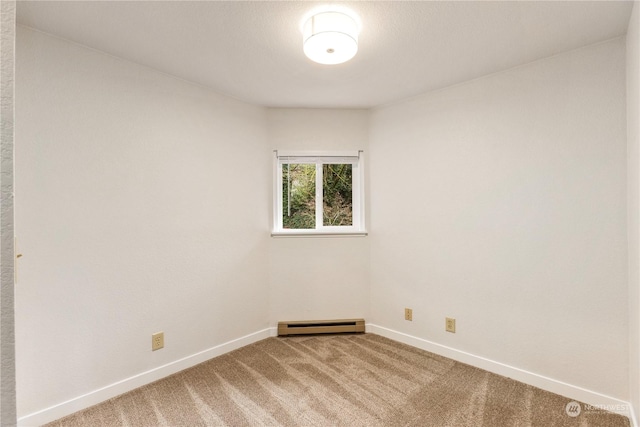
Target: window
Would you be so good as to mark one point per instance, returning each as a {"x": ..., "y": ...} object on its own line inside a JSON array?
[{"x": 318, "y": 193}]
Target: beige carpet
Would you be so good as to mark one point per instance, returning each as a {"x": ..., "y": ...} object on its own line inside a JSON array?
[{"x": 343, "y": 380}]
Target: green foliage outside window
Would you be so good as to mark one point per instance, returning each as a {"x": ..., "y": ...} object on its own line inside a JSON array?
[
  {"x": 299, "y": 195},
  {"x": 337, "y": 195}
]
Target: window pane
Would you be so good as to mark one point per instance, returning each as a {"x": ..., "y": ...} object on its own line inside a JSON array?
[
  {"x": 337, "y": 189},
  {"x": 299, "y": 196}
]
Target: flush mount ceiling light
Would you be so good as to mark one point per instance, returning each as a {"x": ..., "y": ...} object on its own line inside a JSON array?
[{"x": 330, "y": 38}]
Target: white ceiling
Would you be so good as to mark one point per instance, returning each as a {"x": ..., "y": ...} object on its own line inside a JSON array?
[{"x": 253, "y": 50}]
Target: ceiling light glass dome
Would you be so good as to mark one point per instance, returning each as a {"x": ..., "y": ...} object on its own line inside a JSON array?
[{"x": 330, "y": 38}]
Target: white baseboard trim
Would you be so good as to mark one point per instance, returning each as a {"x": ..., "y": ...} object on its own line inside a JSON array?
[
  {"x": 105, "y": 393},
  {"x": 92, "y": 398},
  {"x": 572, "y": 392}
]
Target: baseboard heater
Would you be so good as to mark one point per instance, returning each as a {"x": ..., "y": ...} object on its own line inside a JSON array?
[{"x": 321, "y": 327}]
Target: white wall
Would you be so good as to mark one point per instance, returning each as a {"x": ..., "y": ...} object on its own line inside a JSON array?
[
  {"x": 7, "y": 253},
  {"x": 633, "y": 149},
  {"x": 142, "y": 206},
  {"x": 501, "y": 202},
  {"x": 314, "y": 277}
]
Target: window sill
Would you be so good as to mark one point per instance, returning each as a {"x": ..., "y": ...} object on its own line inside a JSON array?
[{"x": 313, "y": 233}]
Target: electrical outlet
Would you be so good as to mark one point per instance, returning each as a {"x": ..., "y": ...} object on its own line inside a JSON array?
[
  {"x": 408, "y": 314},
  {"x": 450, "y": 324},
  {"x": 157, "y": 341}
]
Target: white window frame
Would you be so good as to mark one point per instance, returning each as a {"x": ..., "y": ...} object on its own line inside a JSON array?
[{"x": 355, "y": 158}]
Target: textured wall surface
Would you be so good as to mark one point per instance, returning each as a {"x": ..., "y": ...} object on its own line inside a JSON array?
[
  {"x": 7, "y": 260},
  {"x": 633, "y": 189},
  {"x": 501, "y": 202}
]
